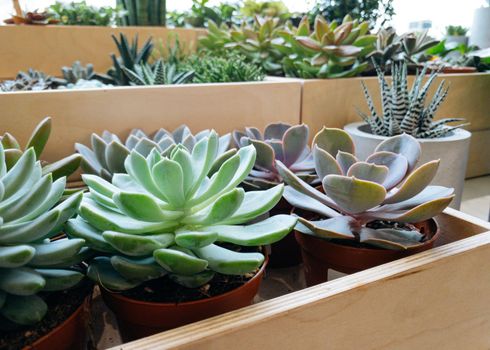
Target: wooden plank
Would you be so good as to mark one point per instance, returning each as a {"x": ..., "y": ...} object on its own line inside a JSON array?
[
  {"x": 76, "y": 114},
  {"x": 479, "y": 159},
  {"x": 48, "y": 48},
  {"x": 432, "y": 300}
]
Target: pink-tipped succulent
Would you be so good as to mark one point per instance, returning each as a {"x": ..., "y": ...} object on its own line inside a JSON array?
[
  {"x": 374, "y": 201},
  {"x": 283, "y": 142}
]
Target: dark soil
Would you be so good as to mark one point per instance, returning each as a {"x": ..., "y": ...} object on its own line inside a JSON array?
[
  {"x": 164, "y": 290},
  {"x": 61, "y": 305}
]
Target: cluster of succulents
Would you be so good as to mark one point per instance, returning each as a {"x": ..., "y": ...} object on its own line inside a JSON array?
[
  {"x": 81, "y": 14},
  {"x": 406, "y": 111},
  {"x": 280, "y": 141},
  {"x": 167, "y": 216},
  {"x": 31, "y": 80},
  {"x": 108, "y": 152},
  {"x": 374, "y": 202}
]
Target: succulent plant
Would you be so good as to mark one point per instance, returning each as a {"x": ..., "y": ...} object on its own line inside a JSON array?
[
  {"x": 37, "y": 141},
  {"x": 108, "y": 152},
  {"x": 337, "y": 51},
  {"x": 280, "y": 141},
  {"x": 31, "y": 80},
  {"x": 456, "y": 31},
  {"x": 143, "y": 12},
  {"x": 167, "y": 216},
  {"x": 34, "y": 17},
  {"x": 374, "y": 202},
  {"x": 77, "y": 71},
  {"x": 81, "y": 14},
  {"x": 159, "y": 73},
  {"x": 30, "y": 260},
  {"x": 405, "y": 111}
]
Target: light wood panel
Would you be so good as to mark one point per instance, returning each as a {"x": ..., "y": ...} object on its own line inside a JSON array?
[
  {"x": 432, "y": 300},
  {"x": 479, "y": 157},
  {"x": 48, "y": 48},
  {"x": 76, "y": 114}
]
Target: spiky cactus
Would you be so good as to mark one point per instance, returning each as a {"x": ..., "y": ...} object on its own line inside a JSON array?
[
  {"x": 108, "y": 152},
  {"x": 280, "y": 141},
  {"x": 30, "y": 261},
  {"x": 159, "y": 73},
  {"x": 166, "y": 215},
  {"x": 373, "y": 202}
]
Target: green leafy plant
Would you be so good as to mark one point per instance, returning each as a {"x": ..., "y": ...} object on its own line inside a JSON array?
[
  {"x": 201, "y": 12},
  {"x": 166, "y": 216},
  {"x": 459, "y": 55},
  {"x": 108, "y": 152},
  {"x": 375, "y": 202},
  {"x": 229, "y": 68},
  {"x": 82, "y": 14},
  {"x": 143, "y": 12},
  {"x": 159, "y": 73},
  {"x": 31, "y": 261},
  {"x": 77, "y": 71},
  {"x": 252, "y": 8},
  {"x": 280, "y": 141},
  {"x": 32, "y": 80},
  {"x": 13, "y": 152},
  {"x": 404, "y": 110},
  {"x": 456, "y": 31}
]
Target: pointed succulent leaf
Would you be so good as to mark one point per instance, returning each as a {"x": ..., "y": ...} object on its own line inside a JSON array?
[
  {"x": 53, "y": 252},
  {"x": 428, "y": 194},
  {"x": 12, "y": 156},
  {"x": 133, "y": 245},
  {"x": 341, "y": 227},
  {"x": 265, "y": 155},
  {"x": 102, "y": 272},
  {"x": 20, "y": 173},
  {"x": 40, "y": 136},
  {"x": 21, "y": 281},
  {"x": 137, "y": 167},
  {"x": 24, "y": 310},
  {"x": 194, "y": 281},
  {"x": 325, "y": 163},
  {"x": 275, "y": 131},
  {"x": 369, "y": 172},
  {"x": 334, "y": 140},
  {"x": 391, "y": 238},
  {"x": 143, "y": 207},
  {"x": 29, "y": 231},
  {"x": 229, "y": 262},
  {"x": 15, "y": 256},
  {"x": 397, "y": 167},
  {"x": 305, "y": 202},
  {"x": 191, "y": 239},
  {"x": 58, "y": 279},
  {"x": 115, "y": 155},
  {"x": 79, "y": 228},
  {"x": 63, "y": 167},
  {"x": 295, "y": 140},
  {"x": 179, "y": 261},
  {"x": 420, "y": 213},
  {"x": 405, "y": 145},
  {"x": 345, "y": 161},
  {"x": 184, "y": 160},
  {"x": 137, "y": 269}
]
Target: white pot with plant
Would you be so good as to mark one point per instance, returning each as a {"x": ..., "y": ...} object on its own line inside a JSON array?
[
  {"x": 456, "y": 35},
  {"x": 406, "y": 111}
]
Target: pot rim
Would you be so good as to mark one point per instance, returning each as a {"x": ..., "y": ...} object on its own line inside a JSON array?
[
  {"x": 430, "y": 241},
  {"x": 123, "y": 298},
  {"x": 457, "y": 134}
]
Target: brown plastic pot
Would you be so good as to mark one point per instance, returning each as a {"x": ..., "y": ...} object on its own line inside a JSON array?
[
  {"x": 69, "y": 335},
  {"x": 286, "y": 252},
  {"x": 138, "y": 319},
  {"x": 320, "y": 255}
]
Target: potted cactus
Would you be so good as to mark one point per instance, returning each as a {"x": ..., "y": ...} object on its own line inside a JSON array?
[
  {"x": 176, "y": 244},
  {"x": 288, "y": 144},
  {"x": 369, "y": 212},
  {"x": 406, "y": 110},
  {"x": 41, "y": 297}
]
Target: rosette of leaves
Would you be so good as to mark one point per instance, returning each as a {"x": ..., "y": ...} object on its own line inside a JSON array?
[
  {"x": 32, "y": 80},
  {"x": 406, "y": 111},
  {"x": 30, "y": 260},
  {"x": 336, "y": 51},
  {"x": 77, "y": 71},
  {"x": 13, "y": 152},
  {"x": 167, "y": 216},
  {"x": 159, "y": 73},
  {"x": 108, "y": 152},
  {"x": 280, "y": 141},
  {"x": 374, "y": 202}
]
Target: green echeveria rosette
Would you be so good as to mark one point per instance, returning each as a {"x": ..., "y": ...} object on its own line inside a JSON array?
[
  {"x": 108, "y": 153},
  {"x": 283, "y": 142},
  {"x": 387, "y": 188},
  {"x": 31, "y": 214},
  {"x": 167, "y": 215}
]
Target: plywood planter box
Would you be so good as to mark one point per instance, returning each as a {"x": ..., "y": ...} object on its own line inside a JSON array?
[
  {"x": 48, "y": 48},
  {"x": 332, "y": 102},
  {"x": 431, "y": 300}
]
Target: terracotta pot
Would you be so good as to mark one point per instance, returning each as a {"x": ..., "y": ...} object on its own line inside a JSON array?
[
  {"x": 138, "y": 319},
  {"x": 69, "y": 335},
  {"x": 286, "y": 252},
  {"x": 320, "y": 255}
]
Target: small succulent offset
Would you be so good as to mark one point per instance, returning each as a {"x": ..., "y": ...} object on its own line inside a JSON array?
[
  {"x": 405, "y": 111},
  {"x": 32, "y": 80},
  {"x": 159, "y": 73},
  {"x": 108, "y": 152},
  {"x": 77, "y": 71},
  {"x": 13, "y": 152},
  {"x": 166, "y": 215},
  {"x": 283, "y": 142},
  {"x": 30, "y": 260},
  {"x": 374, "y": 202}
]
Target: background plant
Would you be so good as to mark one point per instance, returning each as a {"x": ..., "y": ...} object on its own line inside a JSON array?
[
  {"x": 404, "y": 110},
  {"x": 201, "y": 12},
  {"x": 158, "y": 73},
  {"x": 32, "y": 17},
  {"x": 374, "y": 202},
  {"x": 77, "y": 71},
  {"x": 30, "y": 260},
  {"x": 166, "y": 216},
  {"x": 456, "y": 31},
  {"x": 32, "y": 80},
  {"x": 143, "y": 12},
  {"x": 80, "y": 13}
]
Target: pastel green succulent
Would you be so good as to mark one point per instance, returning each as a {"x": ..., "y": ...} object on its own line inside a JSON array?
[
  {"x": 406, "y": 111},
  {"x": 30, "y": 260},
  {"x": 280, "y": 141},
  {"x": 108, "y": 152},
  {"x": 167, "y": 216},
  {"x": 77, "y": 72},
  {"x": 372, "y": 202},
  {"x": 159, "y": 73},
  {"x": 38, "y": 140},
  {"x": 32, "y": 80}
]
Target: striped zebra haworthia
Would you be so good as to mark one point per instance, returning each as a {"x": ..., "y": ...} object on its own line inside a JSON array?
[{"x": 405, "y": 110}]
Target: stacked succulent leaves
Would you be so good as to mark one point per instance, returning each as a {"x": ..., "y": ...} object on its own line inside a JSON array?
[
  {"x": 280, "y": 141},
  {"x": 167, "y": 216},
  {"x": 386, "y": 190}
]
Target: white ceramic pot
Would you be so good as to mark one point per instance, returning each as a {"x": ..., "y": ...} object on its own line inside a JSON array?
[
  {"x": 480, "y": 29},
  {"x": 451, "y": 150},
  {"x": 457, "y": 39}
]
